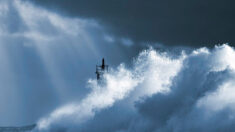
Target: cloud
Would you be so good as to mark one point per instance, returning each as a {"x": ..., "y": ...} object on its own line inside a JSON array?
[
  {"x": 160, "y": 93},
  {"x": 127, "y": 42}
]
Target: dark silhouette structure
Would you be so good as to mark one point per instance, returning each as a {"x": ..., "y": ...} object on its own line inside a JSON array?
[
  {"x": 18, "y": 129},
  {"x": 101, "y": 69}
]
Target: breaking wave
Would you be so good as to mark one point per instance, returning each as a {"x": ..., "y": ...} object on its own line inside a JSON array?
[{"x": 160, "y": 92}]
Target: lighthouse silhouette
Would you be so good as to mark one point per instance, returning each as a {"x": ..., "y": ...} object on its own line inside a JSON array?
[{"x": 100, "y": 70}]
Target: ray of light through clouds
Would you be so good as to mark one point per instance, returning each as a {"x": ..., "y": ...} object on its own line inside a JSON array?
[
  {"x": 46, "y": 53},
  {"x": 48, "y": 29}
]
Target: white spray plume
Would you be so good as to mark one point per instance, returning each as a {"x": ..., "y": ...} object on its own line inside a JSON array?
[
  {"x": 198, "y": 80},
  {"x": 118, "y": 84}
]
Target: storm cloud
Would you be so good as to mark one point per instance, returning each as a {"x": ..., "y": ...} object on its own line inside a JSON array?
[{"x": 192, "y": 23}]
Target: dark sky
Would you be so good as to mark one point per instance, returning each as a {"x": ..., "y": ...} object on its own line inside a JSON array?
[{"x": 193, "y": 23}]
